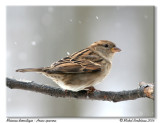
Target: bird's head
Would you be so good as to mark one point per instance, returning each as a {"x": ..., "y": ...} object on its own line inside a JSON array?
[{"x": 105, "y": 48}]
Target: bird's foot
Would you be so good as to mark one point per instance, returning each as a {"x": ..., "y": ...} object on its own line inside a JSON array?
[
  {"x": 65, "y": 91},
  {"x": 90, "y": 89}
]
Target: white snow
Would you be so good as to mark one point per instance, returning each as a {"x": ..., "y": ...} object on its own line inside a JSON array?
[
  {"x": 33, "y": 43},
  {"x": 9, "y": 99},
  {"x": 68, "y": 53},
  {"x": 71, "y": 20},
  {"x": 15, "y": 43}
]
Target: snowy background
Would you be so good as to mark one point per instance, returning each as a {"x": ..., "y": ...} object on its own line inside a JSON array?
[{"x": 38, "y": 36}]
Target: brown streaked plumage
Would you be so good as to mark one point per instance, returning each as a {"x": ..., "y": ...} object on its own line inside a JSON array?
[{"x": 82, "y": 69}]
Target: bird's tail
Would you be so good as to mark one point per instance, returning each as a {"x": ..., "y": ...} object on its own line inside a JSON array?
[{"x": 30, "y": 70}]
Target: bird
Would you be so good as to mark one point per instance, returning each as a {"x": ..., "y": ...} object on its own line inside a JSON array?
[{"x": 83, "y": 69}]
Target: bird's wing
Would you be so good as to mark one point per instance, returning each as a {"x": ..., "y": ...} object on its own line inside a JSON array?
[{"x": 74, "y": 67}]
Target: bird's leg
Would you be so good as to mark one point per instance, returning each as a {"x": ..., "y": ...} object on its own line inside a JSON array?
[
  {"x": 90, "y": 89},
  {"x": 65, "y": 92}
]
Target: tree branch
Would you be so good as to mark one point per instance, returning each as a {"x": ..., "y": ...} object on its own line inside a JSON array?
[{"x": 145, "y": 90}]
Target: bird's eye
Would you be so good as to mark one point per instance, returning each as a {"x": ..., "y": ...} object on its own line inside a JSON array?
[{"x": 106, "y": 45}]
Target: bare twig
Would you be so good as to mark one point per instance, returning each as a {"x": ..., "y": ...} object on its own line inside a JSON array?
[{"x": 145, "y": 90}]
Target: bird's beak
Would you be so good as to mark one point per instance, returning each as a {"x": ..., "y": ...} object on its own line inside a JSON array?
[{"x": 115, "y": 49}]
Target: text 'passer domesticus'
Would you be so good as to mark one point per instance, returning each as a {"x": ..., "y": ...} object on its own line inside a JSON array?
[{"x": 83, "y": 69}]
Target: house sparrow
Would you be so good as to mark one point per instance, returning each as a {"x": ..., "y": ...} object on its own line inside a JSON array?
[{"x": 83, "y": 69}]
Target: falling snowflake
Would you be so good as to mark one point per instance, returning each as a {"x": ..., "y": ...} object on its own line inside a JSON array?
[
  {"x": 9, "y": 99},
  {"x": 33, "y": 43},
  {"x": 15, "y": 43},
  {"x": 70, "y": 20},
  {"x": 97, "y": 17},
  {"x": 68, "y": 53}
]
